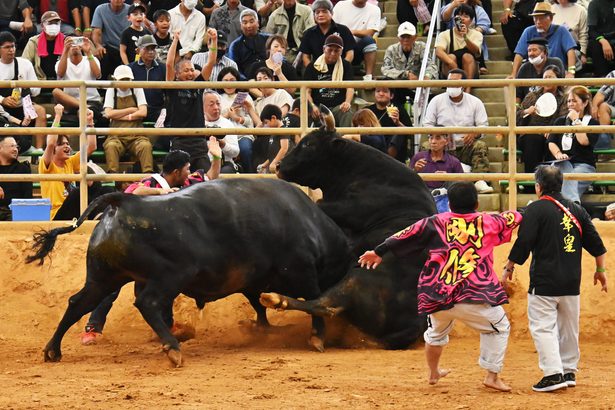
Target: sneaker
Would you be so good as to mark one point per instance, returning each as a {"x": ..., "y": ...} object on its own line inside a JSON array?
[
  {"x": 89, "y": 338},
  {"x": 551, "y": 383},
  {"x": 367, "y": 77},
  {"x": 571, "y": 379},
  {"x": 482, "y": 187},
  {"x": 491, "y": 30}
]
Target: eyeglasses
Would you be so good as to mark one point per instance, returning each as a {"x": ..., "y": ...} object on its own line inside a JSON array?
[{"x": 8, "y": 47}]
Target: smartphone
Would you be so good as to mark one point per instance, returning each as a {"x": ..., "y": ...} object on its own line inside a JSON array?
[
  {"x": 277, "y": 57},
  {"x": 240, "y": 98},
  {"x": 458, "y": 22},
  {"x": 77, "y": 41}
]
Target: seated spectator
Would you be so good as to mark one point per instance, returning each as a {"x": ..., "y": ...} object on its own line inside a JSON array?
[
  {"x": 147, "y": 68},
  {"x": 291, "y": 21},
  {"x": 229, "y": 143},
  {"x": 185, "y": 106},
  {"x": 534, "y": 146},
  {"x": 21, "y": 27},
  {"x": 436, "y": 160},
  {"x": 573, "y": 16},
  {"x": 126, "y": 108},
  {"x": 222, "y": 61},
  {"x": 460, "y": 47},
  {"x": 601, "y": 27},
  {"x": 43, "y": 50},
  {"x": 132, "y": 34},
  {"x": 560, "y": 42},
  {"x": 11, "y": 99},
  {"x": 366, "y": 118},
  {"x": 275, "y": 96},
  {"x": 57, "y": 159},
  {"x": 331, "y": 67},
  {"x": 363, "y": 20},
  {"x": 278, "y": 145},
  {"x": 68, "y": 10},
  {"x": 226, "y": 18},
  {"x": 515, "y": 19},
  {"x": 10, "y": 165},
  {"x": 537, "y": 60},
  {"x": 402, "y": 61},
  {"x": 417, "y": 12},
  {"x": 191, "y": 24},
  {"x": 72, "y": 66},
  {"x": 609, "y": 213},
  {"x": 482, "y": 24},
  {"x": 314, "y": 38},
  {"x": 162, "y": 23},
  {"x": 293, "y": 119},
  {"x": 276, "y": 61},
  {"x": 603, "y": 109},
  {"x": 250, "y": 46},
  {"x": 390, "y": 114},
  {"x": 575, "y": 151},
  {"x": 237, "y": 114},
  {"x": 264, "y": 8},
  {"x": 456, "y": 108},
  {"x": 109, "y": 22}
]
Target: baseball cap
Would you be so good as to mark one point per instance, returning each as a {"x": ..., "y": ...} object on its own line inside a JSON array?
[
  {"x": 406, "y": 29},
  {"x": 539, "y": 40},
  {"x": 123, "y": 72},
  {"x": 146, "y": 40},
  {"x": 50, "y": 16},
  {"x": 322, "y": 4},
  {"x": 136, "y": 6},
  {"x": 222, "y": 39},
  {"x": 334, "y": 40}
]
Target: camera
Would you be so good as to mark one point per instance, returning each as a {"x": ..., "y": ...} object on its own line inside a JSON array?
[
  {"x": 77, "y": 41},
  {"x": 458, "y": 22}
]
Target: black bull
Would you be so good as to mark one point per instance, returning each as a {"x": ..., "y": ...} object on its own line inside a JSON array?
[
  {"x": 371, "y": 196},
  {"x": 207, "y": 241}
]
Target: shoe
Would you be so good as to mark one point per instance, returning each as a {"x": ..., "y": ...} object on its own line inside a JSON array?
[
  {"x": 32, "y": 150},
  {"x": 483, "y": 70},
  {"x": 482, "y": 187},
  {"x": 550, "y": 383},
  {"x": 570, "y": 379},
  {"x": 491, "y": 30},
  {"x": 89, "y": 338},
  {"x": 367, "y": 77}
]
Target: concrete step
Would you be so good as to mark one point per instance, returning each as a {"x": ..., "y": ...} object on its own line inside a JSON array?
[
  {"x": 488, "y": 95},
  {"x": 496, "y": 154},
  {"x": 489, "y": 202},
  {"x": 495, "y": 109},
  {"x": 499, "y": 66}
]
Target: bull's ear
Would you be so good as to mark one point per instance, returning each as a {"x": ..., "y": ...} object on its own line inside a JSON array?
[{"x": 326, "y": 118}]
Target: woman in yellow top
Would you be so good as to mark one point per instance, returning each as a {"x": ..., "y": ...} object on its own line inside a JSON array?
[{"x": 57, "y": 159}]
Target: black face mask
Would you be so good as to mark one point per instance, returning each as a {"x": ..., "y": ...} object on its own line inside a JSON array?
[{"x": 220, "y": 54}]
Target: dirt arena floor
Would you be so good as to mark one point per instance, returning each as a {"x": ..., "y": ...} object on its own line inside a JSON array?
[{"x": 227, "y": 366}]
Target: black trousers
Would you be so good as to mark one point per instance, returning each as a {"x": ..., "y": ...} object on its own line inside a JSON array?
[
  {"x": 534, "y": 150},
  {"x": 513, "y": 29},
  {"x": 601, "y": 66},
  {"x": 110, "y": 62}
]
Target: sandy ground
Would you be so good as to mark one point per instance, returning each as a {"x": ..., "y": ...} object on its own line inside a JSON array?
[{"x": 229, "y": 366}]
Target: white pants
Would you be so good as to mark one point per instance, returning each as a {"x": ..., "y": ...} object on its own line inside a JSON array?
[
  {"x": 554, "y": 325},
  {"x": 490, "y": 321}
]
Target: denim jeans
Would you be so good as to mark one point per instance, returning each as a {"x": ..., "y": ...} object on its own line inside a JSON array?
[
  {"x": 245, "y": 153},
  {"x": 574, "y": 189}
]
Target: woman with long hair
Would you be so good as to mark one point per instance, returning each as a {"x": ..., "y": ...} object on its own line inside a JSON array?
[
  {"x": 276, "y": 46},
  {"x": 574, "y": 151},
  {"x": 366, "y": 118}
]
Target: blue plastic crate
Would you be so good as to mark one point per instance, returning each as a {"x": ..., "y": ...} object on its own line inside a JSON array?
[{"x": 31, "y": 209}]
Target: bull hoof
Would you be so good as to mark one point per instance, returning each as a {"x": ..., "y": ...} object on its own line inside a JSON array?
[
  {"x": 317, "y": 343},
  {"x": 174, "y": 355},
  {"x": 273, "y": 301},
  {"x": 52, "y": 355}
]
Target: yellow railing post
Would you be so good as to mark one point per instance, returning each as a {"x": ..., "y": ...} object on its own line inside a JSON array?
[
  {"x": 511, "y": 112},
  {"x": 304, "y": 111},
  {"x": 83, "y": 148}
]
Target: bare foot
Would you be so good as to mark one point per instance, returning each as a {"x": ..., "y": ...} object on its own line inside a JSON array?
[
  {"x": 496, "y": 383},
  {"x": 433, "y": 378}
]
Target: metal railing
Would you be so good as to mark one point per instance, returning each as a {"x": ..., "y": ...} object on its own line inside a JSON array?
[{"x": 505, "y": 85}]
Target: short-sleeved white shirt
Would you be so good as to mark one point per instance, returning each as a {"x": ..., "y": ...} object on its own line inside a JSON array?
[
  {"x": 83, "y": 72},
  {"x": 109, "y": 97},
  {"x": 356, "y": 18}
]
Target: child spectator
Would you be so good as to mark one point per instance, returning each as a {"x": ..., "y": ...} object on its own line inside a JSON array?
[
  {"x": 162, "y": 21},
  {"x": 278, "y": 146},
  {"x": 130, "y": 36}
]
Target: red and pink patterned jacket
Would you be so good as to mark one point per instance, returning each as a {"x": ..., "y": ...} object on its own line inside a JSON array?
[{"x": 459, "y": 268}]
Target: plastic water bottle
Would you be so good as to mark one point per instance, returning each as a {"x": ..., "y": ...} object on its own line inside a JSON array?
[{"x": 408, "y": 106}]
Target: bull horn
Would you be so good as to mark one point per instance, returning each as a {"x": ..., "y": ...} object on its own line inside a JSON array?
[{"x": 326, "y": 118}]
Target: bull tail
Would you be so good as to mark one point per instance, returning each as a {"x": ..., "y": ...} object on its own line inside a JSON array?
[{"x": 44, "y": 240}]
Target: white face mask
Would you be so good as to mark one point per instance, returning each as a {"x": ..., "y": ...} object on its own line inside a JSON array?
[
  {"x": 536, "y": 60},
  {"x": 190, "y": 4},
  {"x": 454, "y": 92},
  {"x": 540, "y": 30},
  {"x": 52, "y": 29}
]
